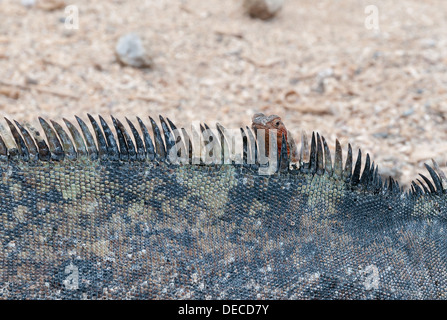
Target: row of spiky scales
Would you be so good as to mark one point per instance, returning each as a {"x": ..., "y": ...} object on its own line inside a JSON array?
[{"x": 29, "y": 145}]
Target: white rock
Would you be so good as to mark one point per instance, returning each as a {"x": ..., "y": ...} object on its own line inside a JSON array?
[
  {"x": 325, "y": 73},
  {"x": 262, "y": 9},
  {"x": 131, "y": 51},
  {"x": 28, "y": 3}
]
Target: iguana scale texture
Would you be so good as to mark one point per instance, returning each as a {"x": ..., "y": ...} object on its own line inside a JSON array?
[{"x": 108, "y": 216}]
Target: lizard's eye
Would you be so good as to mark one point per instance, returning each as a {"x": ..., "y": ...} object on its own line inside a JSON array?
[{"x": 277, "y": 122}]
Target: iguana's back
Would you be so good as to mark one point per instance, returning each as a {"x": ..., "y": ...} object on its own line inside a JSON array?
[{"x": 149, "y": 229}]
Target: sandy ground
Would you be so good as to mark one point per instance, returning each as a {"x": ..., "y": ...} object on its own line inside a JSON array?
[{"x": 386, "y": 90}]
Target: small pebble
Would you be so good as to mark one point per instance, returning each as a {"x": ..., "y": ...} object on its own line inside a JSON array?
[
  {"x": 428, "y": 43},
  {"x": 262, "y": 9},
  {"x": 294, "y": 81},
  {"x": 28, "y": 3},
  {"x": 323, "y": 74},
  {"x": 408, "y": 112},
  {"x": 30, "y": 80},
  {"x": 130, "y": 51},
  {"x": 381, "y": 135},
  {"x": 51, "y": 5}
]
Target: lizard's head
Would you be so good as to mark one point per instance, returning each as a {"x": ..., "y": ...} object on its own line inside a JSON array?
[
  {"x": 261, "y": 121},
  {"x": 273, "y": 122}
]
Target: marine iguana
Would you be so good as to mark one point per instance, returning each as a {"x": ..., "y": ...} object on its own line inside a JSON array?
[{"x": 108, "y": 216}]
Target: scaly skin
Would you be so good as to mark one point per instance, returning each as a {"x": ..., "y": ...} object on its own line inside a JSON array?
[
  {"x": 159, "y": 231},
  {"x": 103, "y": 229}
]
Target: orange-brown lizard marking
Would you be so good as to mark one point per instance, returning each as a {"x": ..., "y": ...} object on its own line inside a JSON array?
[{"x": 261, "y": 121}]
